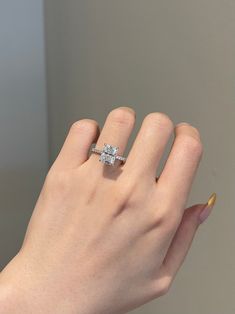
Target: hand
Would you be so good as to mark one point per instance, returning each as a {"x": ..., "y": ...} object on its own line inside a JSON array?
[{"x": 105, "y": 239}]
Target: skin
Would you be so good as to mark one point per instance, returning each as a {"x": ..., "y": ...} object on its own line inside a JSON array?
[{"x": 105, "y": 239}]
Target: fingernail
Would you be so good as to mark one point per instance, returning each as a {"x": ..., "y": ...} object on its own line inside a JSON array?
[
  {"x": 182, "y": 123},
  {"x": 208, "y": 208}
]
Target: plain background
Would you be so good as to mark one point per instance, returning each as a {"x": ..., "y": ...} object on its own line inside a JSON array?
[
  {"x": 175, "y": 57},
  {"x": 23, "y": 118}
]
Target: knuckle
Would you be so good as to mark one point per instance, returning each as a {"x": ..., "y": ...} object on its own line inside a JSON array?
[
  {"x": 160, "y": 119},
  {"x": 160, "y": 214},
  {"x": 124, "y": 190},
  {"x": 166, "y": 216},
  {"x": 84, "y": 125},
  {"x": 164, "y": 286},
  {"x": 122, "y": 115},
  {"x": 161, "y": 286},
  {"x": 166, "y": 220},
  {"x": 123, "y": 196},
  {"x": 160, "y": 217}
]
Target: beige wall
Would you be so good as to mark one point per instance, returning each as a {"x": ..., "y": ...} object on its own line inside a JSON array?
[{"x": 177, "y": 57}]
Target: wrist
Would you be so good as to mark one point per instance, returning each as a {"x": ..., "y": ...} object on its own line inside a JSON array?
[
  {"x": 9, "y": 301},
  {"x": 11, "y": 288},
  {"x": 25, "y": 292}
]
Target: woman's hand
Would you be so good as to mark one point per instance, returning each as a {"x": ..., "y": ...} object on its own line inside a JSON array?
[{"x": 102, "y": 239}]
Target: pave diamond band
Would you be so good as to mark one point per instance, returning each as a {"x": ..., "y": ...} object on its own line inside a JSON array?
[{"x": 108, "y": 155}]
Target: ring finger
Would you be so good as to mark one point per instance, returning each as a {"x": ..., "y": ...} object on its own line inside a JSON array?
[{"x": 116, "y": 132}]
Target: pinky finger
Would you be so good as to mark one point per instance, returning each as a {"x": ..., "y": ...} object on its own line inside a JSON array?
[{"x": 182, "y": 241}]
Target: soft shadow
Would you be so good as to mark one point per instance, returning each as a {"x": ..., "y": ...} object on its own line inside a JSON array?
[{"x": 112, "y": 172}]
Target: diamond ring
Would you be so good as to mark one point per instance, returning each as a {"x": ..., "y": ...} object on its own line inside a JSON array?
[{"x": 108, "y": 155}]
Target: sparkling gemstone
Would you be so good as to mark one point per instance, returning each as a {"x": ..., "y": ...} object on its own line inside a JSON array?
[
  {"x": 107, "y": 159},
  {"x": 111, "y": 150}
]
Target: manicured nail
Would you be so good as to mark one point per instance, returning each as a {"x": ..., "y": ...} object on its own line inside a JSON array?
[{"x": 208, "y": 208}]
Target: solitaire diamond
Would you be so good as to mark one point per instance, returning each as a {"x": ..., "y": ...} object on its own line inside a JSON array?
[{"x": 108, "y": 155}]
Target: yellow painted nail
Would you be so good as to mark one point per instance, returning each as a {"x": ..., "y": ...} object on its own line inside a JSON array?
[
  {"x": 212, "y": 200},
  {"x": 208, "y": 208}
]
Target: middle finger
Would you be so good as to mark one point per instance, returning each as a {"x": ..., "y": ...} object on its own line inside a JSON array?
[{"x": 149, "y": 145}]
